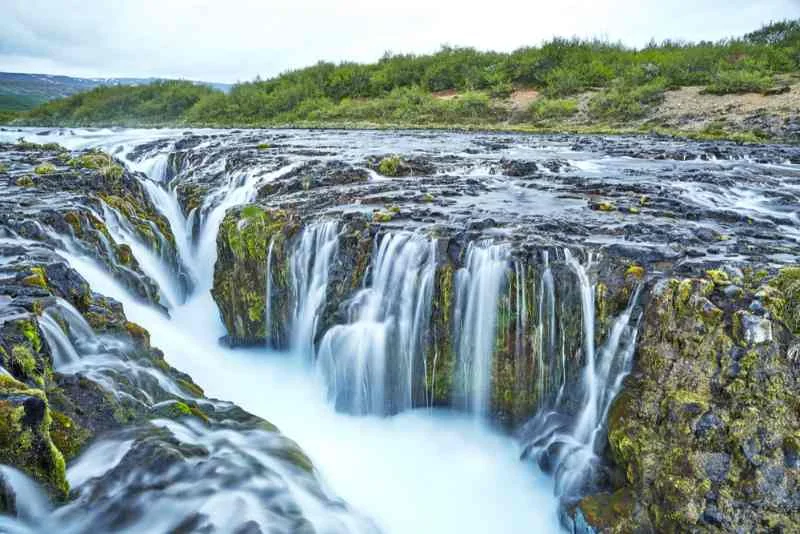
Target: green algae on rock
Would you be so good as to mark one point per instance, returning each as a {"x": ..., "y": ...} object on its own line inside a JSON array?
[{"x": 243, "y": 243}]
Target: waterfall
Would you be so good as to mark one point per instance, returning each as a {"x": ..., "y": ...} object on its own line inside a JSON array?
[
  {"x": 241, "y": 188},
  {"x": 310, "y": 267},
  {"x": 369, "y": 364},
  {"x": 478, "y": 287},
  {"x": 568, "y": 441},
  {"x": 27, "y": 498},
  {"x": 60, "y": 346},
  {"x": 152, "y": 263},
  {"x": 268, "y": 295}
]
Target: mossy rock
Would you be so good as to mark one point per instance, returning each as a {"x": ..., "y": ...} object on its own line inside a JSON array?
[
  {"x": 25, "y": 440},
  {"x": 390, "y": 166},
  {"x": 240, "y": 274},
  {"x": 25, "y": 181},
  {"x": 44, "y": 168},
  {"x": 704, "y": 418}
]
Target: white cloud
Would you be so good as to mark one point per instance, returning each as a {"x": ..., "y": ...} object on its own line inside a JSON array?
[{"x": 239, "y": 39}]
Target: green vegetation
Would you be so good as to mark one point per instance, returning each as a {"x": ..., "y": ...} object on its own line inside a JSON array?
[
  {"x": 157, "y": 103},
  {"x": 389, "y": 166},
  {"x": 45, "y": 168},
  {"x": 454, "y": 87},
  {"x": 544, "y": 109},
  {"x": 99, "y": 161},
  {"x": 739, "y": 81},
  {"x": 626, "y": 101}
]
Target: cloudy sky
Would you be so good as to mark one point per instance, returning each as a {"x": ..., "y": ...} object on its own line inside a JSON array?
[{"x": 230, "y": 40}]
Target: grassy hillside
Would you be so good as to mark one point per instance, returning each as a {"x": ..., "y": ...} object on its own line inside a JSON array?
[{"x": 607, "y": 84}]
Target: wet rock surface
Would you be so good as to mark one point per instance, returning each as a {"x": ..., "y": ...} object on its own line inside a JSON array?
[
  {"x": 684, "y": 244},
  {"x": 87, "y": 406}
]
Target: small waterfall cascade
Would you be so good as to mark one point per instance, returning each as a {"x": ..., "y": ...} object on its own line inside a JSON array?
[
  {"x": 371, "y": 365},
  {"x": 310, "y": 266},
  {"x": 268, "y": 297},
  {"x": 548, "y": 333},
  {"x": 28, "y": 499},
  {"x": 241, "y": 188},
  {"x": 478, "y": 287},
  {"x": 154, "y": 263},
  {"x": 569, "y": 441}
]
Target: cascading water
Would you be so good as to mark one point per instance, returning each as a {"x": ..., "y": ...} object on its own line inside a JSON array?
[
  {"x": 153, "y": 264},
  {"x": 570, "y": 443},
  {"x": 310, "y": 268},
  {"x": 478, "y": 287},
  {"x": 369, "y": 364}
]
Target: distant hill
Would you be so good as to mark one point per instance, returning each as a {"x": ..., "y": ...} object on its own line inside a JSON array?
[{"x": 20, "y": 91}]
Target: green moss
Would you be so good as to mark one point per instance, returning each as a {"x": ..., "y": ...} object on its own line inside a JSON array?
[
  {"x": 67, "y": 436},
  {"x": 608, "y": 511},
  {"x": 718, "y": 276},
  {"x": 23, "y": 358},
  {"x": 25, "y": 443},
  {"x": 37, "y": 278},
  {"x": 190, "y": 387},
  {"x": 3, "y": 168},
  {"x": 382, "y": 216},
  {"x": 296, "y": 457},
  {"x": 139, "y": 335},
  {"x": 440, "y": 359},
  {"x": 31, "y": 333},
  {"x": 635, "y": 271},
  {"x": 25, "y": 181},
  {"x": 99, "y": 161},
  {"x": 45, "y": 168},
  {"x": 264, "y": 146},
  {"x": 782, "y": 297},
  {"x": 124, "y": 254},
  {"x": 390, "y": 166}
]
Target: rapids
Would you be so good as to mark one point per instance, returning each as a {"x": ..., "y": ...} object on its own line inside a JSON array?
[
  {"x": 356, "y": 394},
  {"x": 422, "y": 470}
]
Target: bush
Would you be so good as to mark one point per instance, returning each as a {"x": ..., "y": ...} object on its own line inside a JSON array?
[
  {"x": 738, "y": 82},
  {"x": 398, "y": 88},
  {"x": 543, "y": 109},
  {"x": 626, "y": 102}
]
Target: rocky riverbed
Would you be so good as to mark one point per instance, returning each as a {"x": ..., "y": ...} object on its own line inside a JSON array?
[{"x": 628, "y": 308}]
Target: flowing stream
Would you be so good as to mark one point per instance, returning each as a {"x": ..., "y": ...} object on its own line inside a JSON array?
[{"x": 421, "y": 470}]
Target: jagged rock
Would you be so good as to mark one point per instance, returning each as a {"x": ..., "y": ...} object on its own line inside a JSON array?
[{"x": 699, "y": 427}]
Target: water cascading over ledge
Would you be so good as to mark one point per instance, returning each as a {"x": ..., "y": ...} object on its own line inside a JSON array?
[{"x": 394, "y": 320}]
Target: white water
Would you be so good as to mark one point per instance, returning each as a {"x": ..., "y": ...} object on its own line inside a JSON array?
[
  {"x": 573, "y": 441},
  {"x": 420, "y": 471},
  {"x": 478, "y": 287},
  {"x": 380, "y": 347},
  {"x": 310, "y": 268}
]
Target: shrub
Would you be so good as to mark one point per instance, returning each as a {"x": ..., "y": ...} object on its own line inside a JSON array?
[
  {"x": 627, "y": 102},
  {"x": 543, "y": 109},
  {"x": 737, "y": 82}
]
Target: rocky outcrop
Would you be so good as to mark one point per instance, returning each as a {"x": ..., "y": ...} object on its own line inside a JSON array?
[
  {"x": 705, "y": 431},
  {"x": 62, "y": 198},
  {"x": 251, "y": 240}
]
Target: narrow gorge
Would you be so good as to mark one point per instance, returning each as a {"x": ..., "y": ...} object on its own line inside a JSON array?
[{"x": 321, "y": 331}]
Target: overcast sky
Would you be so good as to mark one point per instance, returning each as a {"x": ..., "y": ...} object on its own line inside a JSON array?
[{"x": 230, "y": 40}]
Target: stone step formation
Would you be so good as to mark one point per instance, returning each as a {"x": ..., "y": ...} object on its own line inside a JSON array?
[{"x": 627, "y": 307}]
